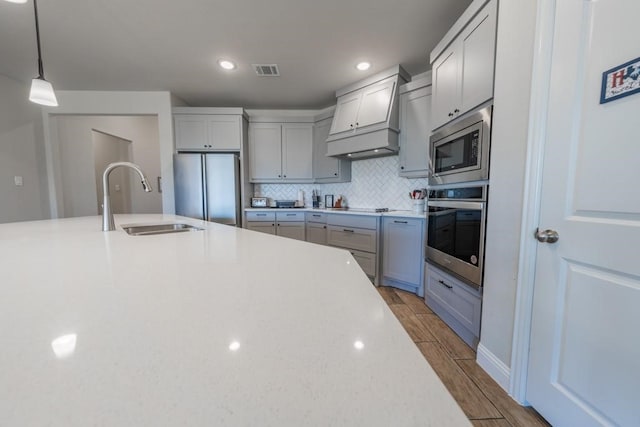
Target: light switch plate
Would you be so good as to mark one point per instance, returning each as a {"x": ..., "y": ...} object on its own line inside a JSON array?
[{"x": 18, "y": 181}]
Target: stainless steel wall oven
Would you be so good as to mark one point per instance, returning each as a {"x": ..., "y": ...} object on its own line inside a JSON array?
[
  {"x": 460, "y": 151},
  {"x": 456, "y": 231}
]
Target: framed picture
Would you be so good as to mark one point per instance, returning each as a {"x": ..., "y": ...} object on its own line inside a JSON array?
[
  {"x": 620, "y": 81},
  {"x": 328, "y": 201}
]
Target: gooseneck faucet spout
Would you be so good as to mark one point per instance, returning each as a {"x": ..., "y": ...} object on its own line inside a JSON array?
[{"x": 107, "y": 215}]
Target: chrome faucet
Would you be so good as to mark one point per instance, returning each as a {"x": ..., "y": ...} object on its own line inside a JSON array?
[{"x": 107, "y": 215}]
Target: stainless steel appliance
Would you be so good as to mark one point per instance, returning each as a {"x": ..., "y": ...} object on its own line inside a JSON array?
[
  {"x": 460, "y": 151},
  {"x": 259, "y": 202},
  {"x": 207, "y": 186},
  {"x": 456, "y": 229}
]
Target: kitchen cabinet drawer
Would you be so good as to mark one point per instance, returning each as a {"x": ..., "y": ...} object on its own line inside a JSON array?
[
  {"x": 352, "y": 238},
  {"x": 289, "y": 216},
  {"x": 366, "y": 261},
  {"x": 261, "y": 216},
  {"x": 349, "y": 221},
  {"x": 316, "y": 233},
  {"x": 319, "y": 217},
  {"x": 262, "y": 226},
  {"x": 458, "y": 299}
]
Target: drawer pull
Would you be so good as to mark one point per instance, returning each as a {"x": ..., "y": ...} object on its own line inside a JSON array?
[
  {"x": 443, "y": 283},
  {"x": 401, "y": 222},
  {"x": 316, "y": 215},
  {"x": 261, "y": 214},
  {"x": 292, "y": 214},
  {"x": 347, "y": 230}
]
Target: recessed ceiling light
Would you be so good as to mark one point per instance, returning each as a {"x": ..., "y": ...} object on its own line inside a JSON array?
[
  {"x": 226, "y": 64},
  {"x": 363, "y": 66}
]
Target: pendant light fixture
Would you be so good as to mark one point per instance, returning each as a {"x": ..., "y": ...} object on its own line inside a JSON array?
[{"x": 41, "y": 90}]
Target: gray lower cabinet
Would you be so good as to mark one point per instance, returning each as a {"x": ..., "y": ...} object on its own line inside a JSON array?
[
  {"x": 316, "y": 227},
  {"x": 359, "y": 235},
  {"x": 262, "y": 221},
  {"x": 403, "y": 253},
  {"x": 458, "y": 304},
  {"x": 284, "y": 224}
]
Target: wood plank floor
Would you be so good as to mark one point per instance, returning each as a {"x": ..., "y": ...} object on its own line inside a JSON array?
[{"x": 484, "y": 402}]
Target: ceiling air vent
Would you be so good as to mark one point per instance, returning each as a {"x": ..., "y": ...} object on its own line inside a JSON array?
[{"x": 266, "y": 70}]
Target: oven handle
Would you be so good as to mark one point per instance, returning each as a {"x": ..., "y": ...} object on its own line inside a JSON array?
[{"x": 457, "y": 204}]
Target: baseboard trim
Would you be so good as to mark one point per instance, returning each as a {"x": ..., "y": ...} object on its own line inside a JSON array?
[{"x": 494, "y": 367}]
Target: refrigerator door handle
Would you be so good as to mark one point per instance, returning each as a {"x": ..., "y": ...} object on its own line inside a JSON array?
[{"x": 205, "y": 200}]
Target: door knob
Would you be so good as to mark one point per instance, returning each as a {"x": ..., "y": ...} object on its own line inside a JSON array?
[{"x": 547, "y": 236}]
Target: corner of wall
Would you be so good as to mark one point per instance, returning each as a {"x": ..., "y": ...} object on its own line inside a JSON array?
[{"x": 494, "y": 367}]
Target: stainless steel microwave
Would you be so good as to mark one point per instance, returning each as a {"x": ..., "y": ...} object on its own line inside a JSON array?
[{"x": 460, "y": 151}]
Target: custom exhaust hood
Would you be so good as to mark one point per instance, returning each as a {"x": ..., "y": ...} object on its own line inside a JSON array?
[{"x": 366, "y": 119}]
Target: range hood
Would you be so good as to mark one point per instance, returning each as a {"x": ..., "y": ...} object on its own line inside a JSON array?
[{"x": 366, "y": 119}]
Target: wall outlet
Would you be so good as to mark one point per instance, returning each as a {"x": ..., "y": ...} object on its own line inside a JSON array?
[{"x": 17, "y": 180}]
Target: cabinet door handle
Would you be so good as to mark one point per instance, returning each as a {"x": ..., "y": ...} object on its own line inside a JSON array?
[
  {"x": 402, "y": 167},
  {"x": 450, "y": 114},
  {"x": 292, "y": 214},
  {"x": 351, "y": 125},
  {"x": 284, "y": 176},
  {"x": 324, "y": 226},
  {"x": 316, "y": 215},
  {"x": 279, "y": 176},
  {"x": 357, "y": 124},
  {"x": 456, "y": 111},
  {"x": 261, "y": 214},
  {"x": 442, "y": 282},
  {"x": 347, "y": 230},
  {"x": 400, "y": 222},
  {"x": 335, "y": 174}
]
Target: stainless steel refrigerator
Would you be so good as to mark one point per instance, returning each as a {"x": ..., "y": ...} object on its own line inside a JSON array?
[{"x": 207, "y": 186}]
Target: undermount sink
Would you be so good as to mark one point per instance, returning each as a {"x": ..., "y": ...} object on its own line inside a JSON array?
[{"x": 146, "y": 230}]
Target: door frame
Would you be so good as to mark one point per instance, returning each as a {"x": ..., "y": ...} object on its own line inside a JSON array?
[{"x": 532, "y": 197}]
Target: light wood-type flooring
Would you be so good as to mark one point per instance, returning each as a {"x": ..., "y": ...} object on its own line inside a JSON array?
[{"x": 484, "y": 402}]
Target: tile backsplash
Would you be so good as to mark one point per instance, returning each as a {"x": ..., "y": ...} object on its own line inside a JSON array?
[{"x": 374, "y": 184}]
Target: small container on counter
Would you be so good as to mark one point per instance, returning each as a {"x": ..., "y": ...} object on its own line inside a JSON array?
[{"x": 418, "y": 205}]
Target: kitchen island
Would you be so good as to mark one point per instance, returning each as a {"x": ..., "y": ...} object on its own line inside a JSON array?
[{"x": 222, "y": 326}]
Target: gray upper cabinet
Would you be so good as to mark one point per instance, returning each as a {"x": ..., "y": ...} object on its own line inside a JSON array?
[
  {"x": 297, "y": 151},
  {"x": 208, "y": 132},
  {"x": 281, "y": 152},
  {"x": 265, "y": 149},
  {"x": 402, "y": 254},
  {"x": 463, "y": 71},
  {"x": 327, "y": 169},
  {"x": 364, "y": 107},
  {"x": 415, "y": 128}
]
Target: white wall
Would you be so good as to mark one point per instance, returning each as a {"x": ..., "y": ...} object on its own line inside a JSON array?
[
  {"x": 158, "y": 104},
  {"x": 77, "y": 184},
  {"x": 21, "y": 154},
  {"x": 514, "y": 58},
  {"x": 374, "y": 184}
]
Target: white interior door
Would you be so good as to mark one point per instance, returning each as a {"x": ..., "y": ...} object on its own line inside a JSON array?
[{"x": 584, "y": 362}]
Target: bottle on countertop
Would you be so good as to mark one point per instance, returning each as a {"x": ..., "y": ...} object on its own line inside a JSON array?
[{"x": 300, "y": 201}]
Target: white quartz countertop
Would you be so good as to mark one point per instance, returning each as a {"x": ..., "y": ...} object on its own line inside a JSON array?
[
  {"x": 354, "y": 211},
  {"x": 217, "y": 327}
]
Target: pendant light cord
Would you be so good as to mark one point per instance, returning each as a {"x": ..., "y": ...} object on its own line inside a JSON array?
[{"x": 40, "y": 66}]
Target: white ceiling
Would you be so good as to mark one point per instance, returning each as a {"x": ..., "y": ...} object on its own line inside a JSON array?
[{"x": 174, "y": 45}]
